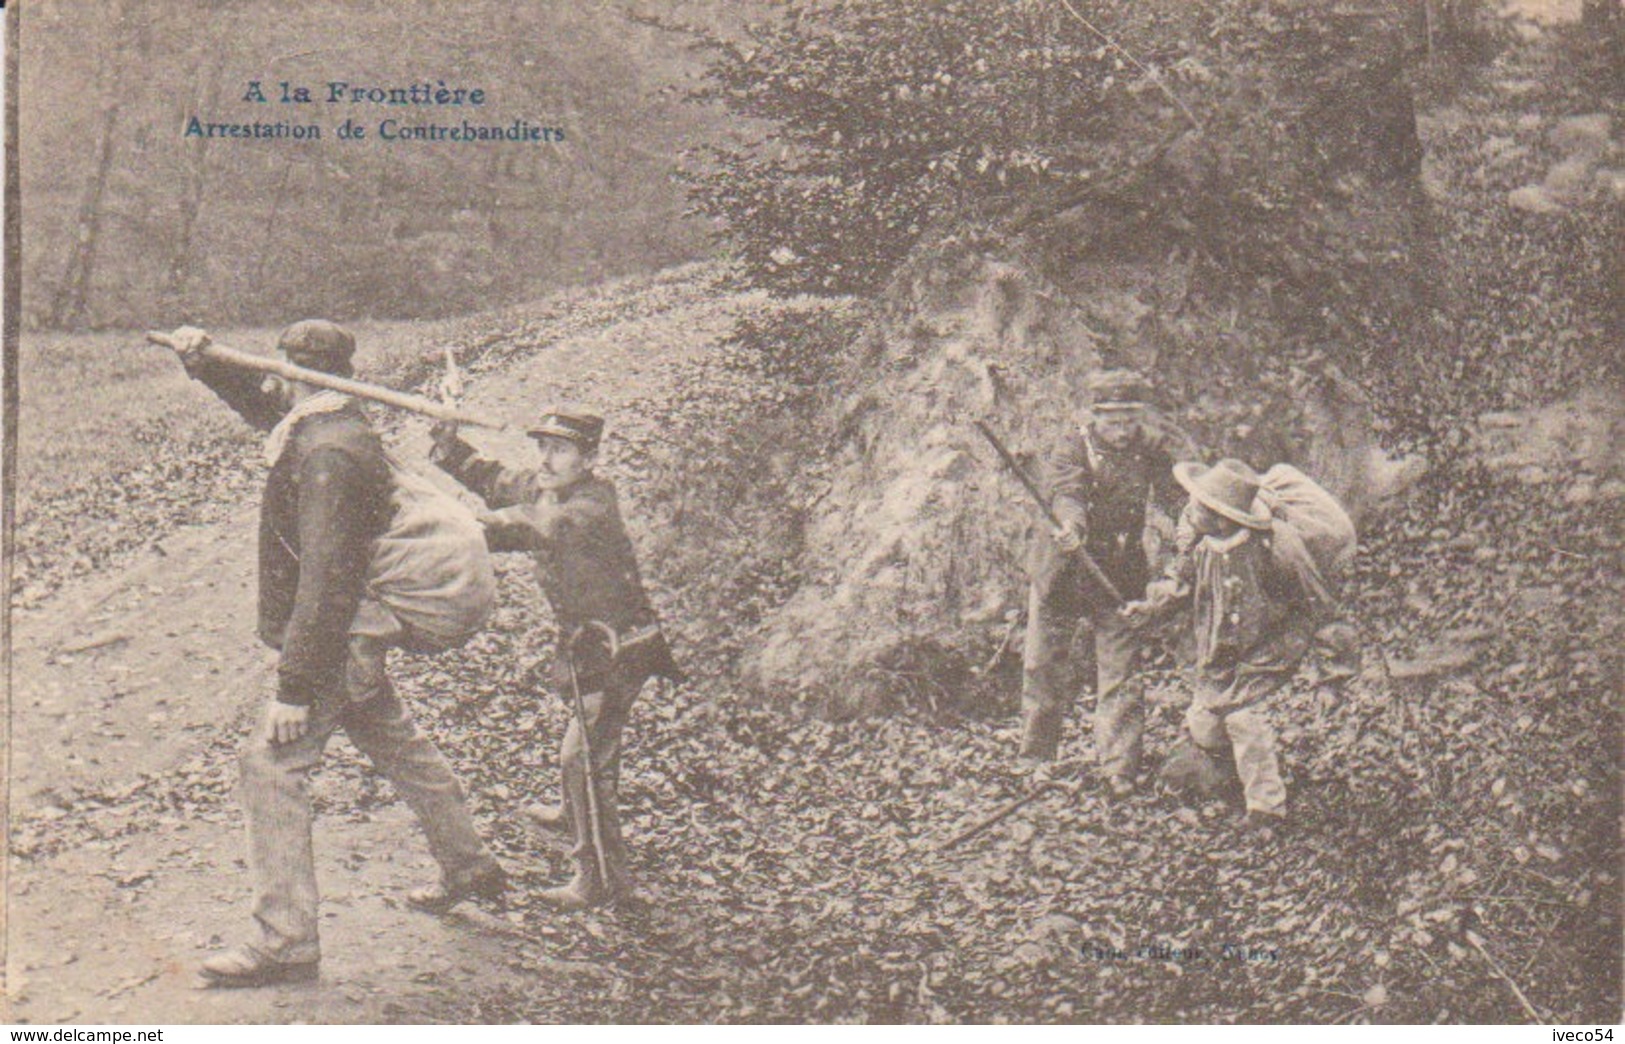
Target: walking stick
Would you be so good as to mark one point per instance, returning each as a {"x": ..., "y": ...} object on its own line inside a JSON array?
[
  {"x": 1009, "y": 809},
  {"x": 597, "y": 832},
  {"x": 333, "y": 382}
]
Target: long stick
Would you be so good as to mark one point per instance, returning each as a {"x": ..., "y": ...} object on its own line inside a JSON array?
[
  {"x": 1529, "y": 1009},
  {"x": 1032, "y": 490},
  {"x": 359, "y": 389},
  {"x": 1003, "y": 813},
  {"x": 1155, "y": 77}
]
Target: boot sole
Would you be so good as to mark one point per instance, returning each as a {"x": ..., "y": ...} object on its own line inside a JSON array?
[
  {"x": 496, "y": 896},
  {"x": 447, "y": 906},
  {"x": 271, "y": 975}
]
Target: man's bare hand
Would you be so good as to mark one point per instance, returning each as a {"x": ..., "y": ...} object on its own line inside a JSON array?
[
  {"x": 189, "y": 342},
  {"x": 285, "y": 722},
  {"x": 1136, "y": 611},
  {"x": 1068, "y": 538},
  {"x": 1161, "y": 596}
]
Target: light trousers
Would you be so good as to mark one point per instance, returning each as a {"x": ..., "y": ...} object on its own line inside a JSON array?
[{"x": 276, "y": 797}]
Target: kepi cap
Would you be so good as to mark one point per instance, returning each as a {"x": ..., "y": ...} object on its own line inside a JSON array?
[
  {"x": 1118, "y": 390},
  {"x": 582, "y": 428}
]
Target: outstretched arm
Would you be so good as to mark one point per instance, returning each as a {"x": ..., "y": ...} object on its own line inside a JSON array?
[
  {"x": 508, "y": 530},
  {"x": 238, "y": 388},
  {"x": 492, "y": 481},
  {"x": 1169, "y": 592}
]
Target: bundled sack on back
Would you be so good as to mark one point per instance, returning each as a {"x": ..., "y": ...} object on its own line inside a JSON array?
[{"x": 431, "y": 566}]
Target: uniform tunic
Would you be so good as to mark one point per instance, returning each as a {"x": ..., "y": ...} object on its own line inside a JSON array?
[
  {"x": 581, "y": 554},
  {"x": 1105, "y": 493},
  {"x": 585, "y": 565}
]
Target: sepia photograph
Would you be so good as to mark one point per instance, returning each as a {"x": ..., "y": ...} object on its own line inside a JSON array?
[{"x": 813, "y": 512}]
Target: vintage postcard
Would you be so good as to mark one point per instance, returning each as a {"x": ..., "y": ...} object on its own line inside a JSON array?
[{"x": 679, "y": 511}]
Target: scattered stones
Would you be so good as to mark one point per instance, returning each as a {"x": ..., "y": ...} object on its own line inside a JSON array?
[
  {"x": 1612, "y": 182},
  {"x": 1582, "y": 136},
  {"x": 1580, "y": 436},
  {"x": 1582, "y": 492},
  {"x": 1570, "y": 182},
  {"x": 1532, "y": 199}
]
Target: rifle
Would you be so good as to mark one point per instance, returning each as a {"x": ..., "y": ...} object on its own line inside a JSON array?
[
  {"x": 596, "y": 828},
  {"x": 360, "y": 389},
  {"x": 1031, "y": 487}
]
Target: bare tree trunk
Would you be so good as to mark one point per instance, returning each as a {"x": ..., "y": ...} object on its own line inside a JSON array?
[
  {"x": 258, "y": 289},
  {"x": 72, "y": 297},
  {"x": 1607, "y": 19},
  {"x": 73, "y": 291},
  {"x": 10, "y": 396},
  {"x": 497, "y": 211},
  {"x": 194, "y": 188},
  {"x": 1602, "y": 12}
]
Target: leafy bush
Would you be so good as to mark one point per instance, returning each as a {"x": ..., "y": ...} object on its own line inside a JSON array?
[{"x": 890, "y": 116}]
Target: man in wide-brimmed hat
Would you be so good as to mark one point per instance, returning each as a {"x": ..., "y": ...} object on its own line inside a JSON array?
[
  {"x": 610, "y": 641},
  {"x": 1101, "y": 479},
  {"x": 1253, "y": 610}
]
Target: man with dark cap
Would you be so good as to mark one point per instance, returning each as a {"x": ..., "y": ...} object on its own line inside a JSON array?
[
  {"x": 1256, "y": 596},
  {"x": 327, "y": 497},
  {"x": 609, "y": 642},
  {"x": 1099, "y": 481}
]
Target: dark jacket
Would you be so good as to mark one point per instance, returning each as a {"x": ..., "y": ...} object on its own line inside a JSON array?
[
  {"x": 1250, "y": 603},
  {"x": 326, "y": 500},
  {"x": 583, "y": 558},
  {"x": 1105, "y": 493}
]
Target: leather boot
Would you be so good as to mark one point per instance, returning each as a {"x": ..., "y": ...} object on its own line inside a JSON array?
[
  {"x": 583, "y": 891},
  {"x": 490, "y": 884},
  {"x": 547, "y": 817},
  {"x": 1262, "y": 826},
  {"x": 246, "y": 966}
]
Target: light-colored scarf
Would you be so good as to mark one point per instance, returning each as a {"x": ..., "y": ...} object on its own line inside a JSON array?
[
  {"x": 1220, "y": 595},
  {"x": 321, "y": 402}
]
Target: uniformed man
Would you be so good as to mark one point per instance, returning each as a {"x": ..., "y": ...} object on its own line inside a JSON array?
[
  {"x": 610, "y": 641},
  {"x": 1100, "y": 480}
]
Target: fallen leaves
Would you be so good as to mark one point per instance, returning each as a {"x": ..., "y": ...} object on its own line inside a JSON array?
[{"x": 788, "y": 866}]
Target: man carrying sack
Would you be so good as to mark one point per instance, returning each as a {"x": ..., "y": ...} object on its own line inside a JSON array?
[
  {"x": 1099, "y": 482},
  {"x": 610, "y": 641},
  {"x": 327, "y": 500},
  {"x": 1256, "y": 598}
]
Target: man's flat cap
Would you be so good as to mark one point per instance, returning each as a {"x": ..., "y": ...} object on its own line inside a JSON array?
[{"x": 318, "y": 344}]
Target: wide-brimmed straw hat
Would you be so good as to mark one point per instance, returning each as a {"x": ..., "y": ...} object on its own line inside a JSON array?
[{"x": 1229, "y": 487}]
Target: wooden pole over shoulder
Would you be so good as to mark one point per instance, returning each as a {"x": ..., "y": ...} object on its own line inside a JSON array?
[{"x": 332, "y": 382}]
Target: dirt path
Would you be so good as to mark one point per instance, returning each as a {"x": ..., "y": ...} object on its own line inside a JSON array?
[{"x": 132, "y": 690}]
